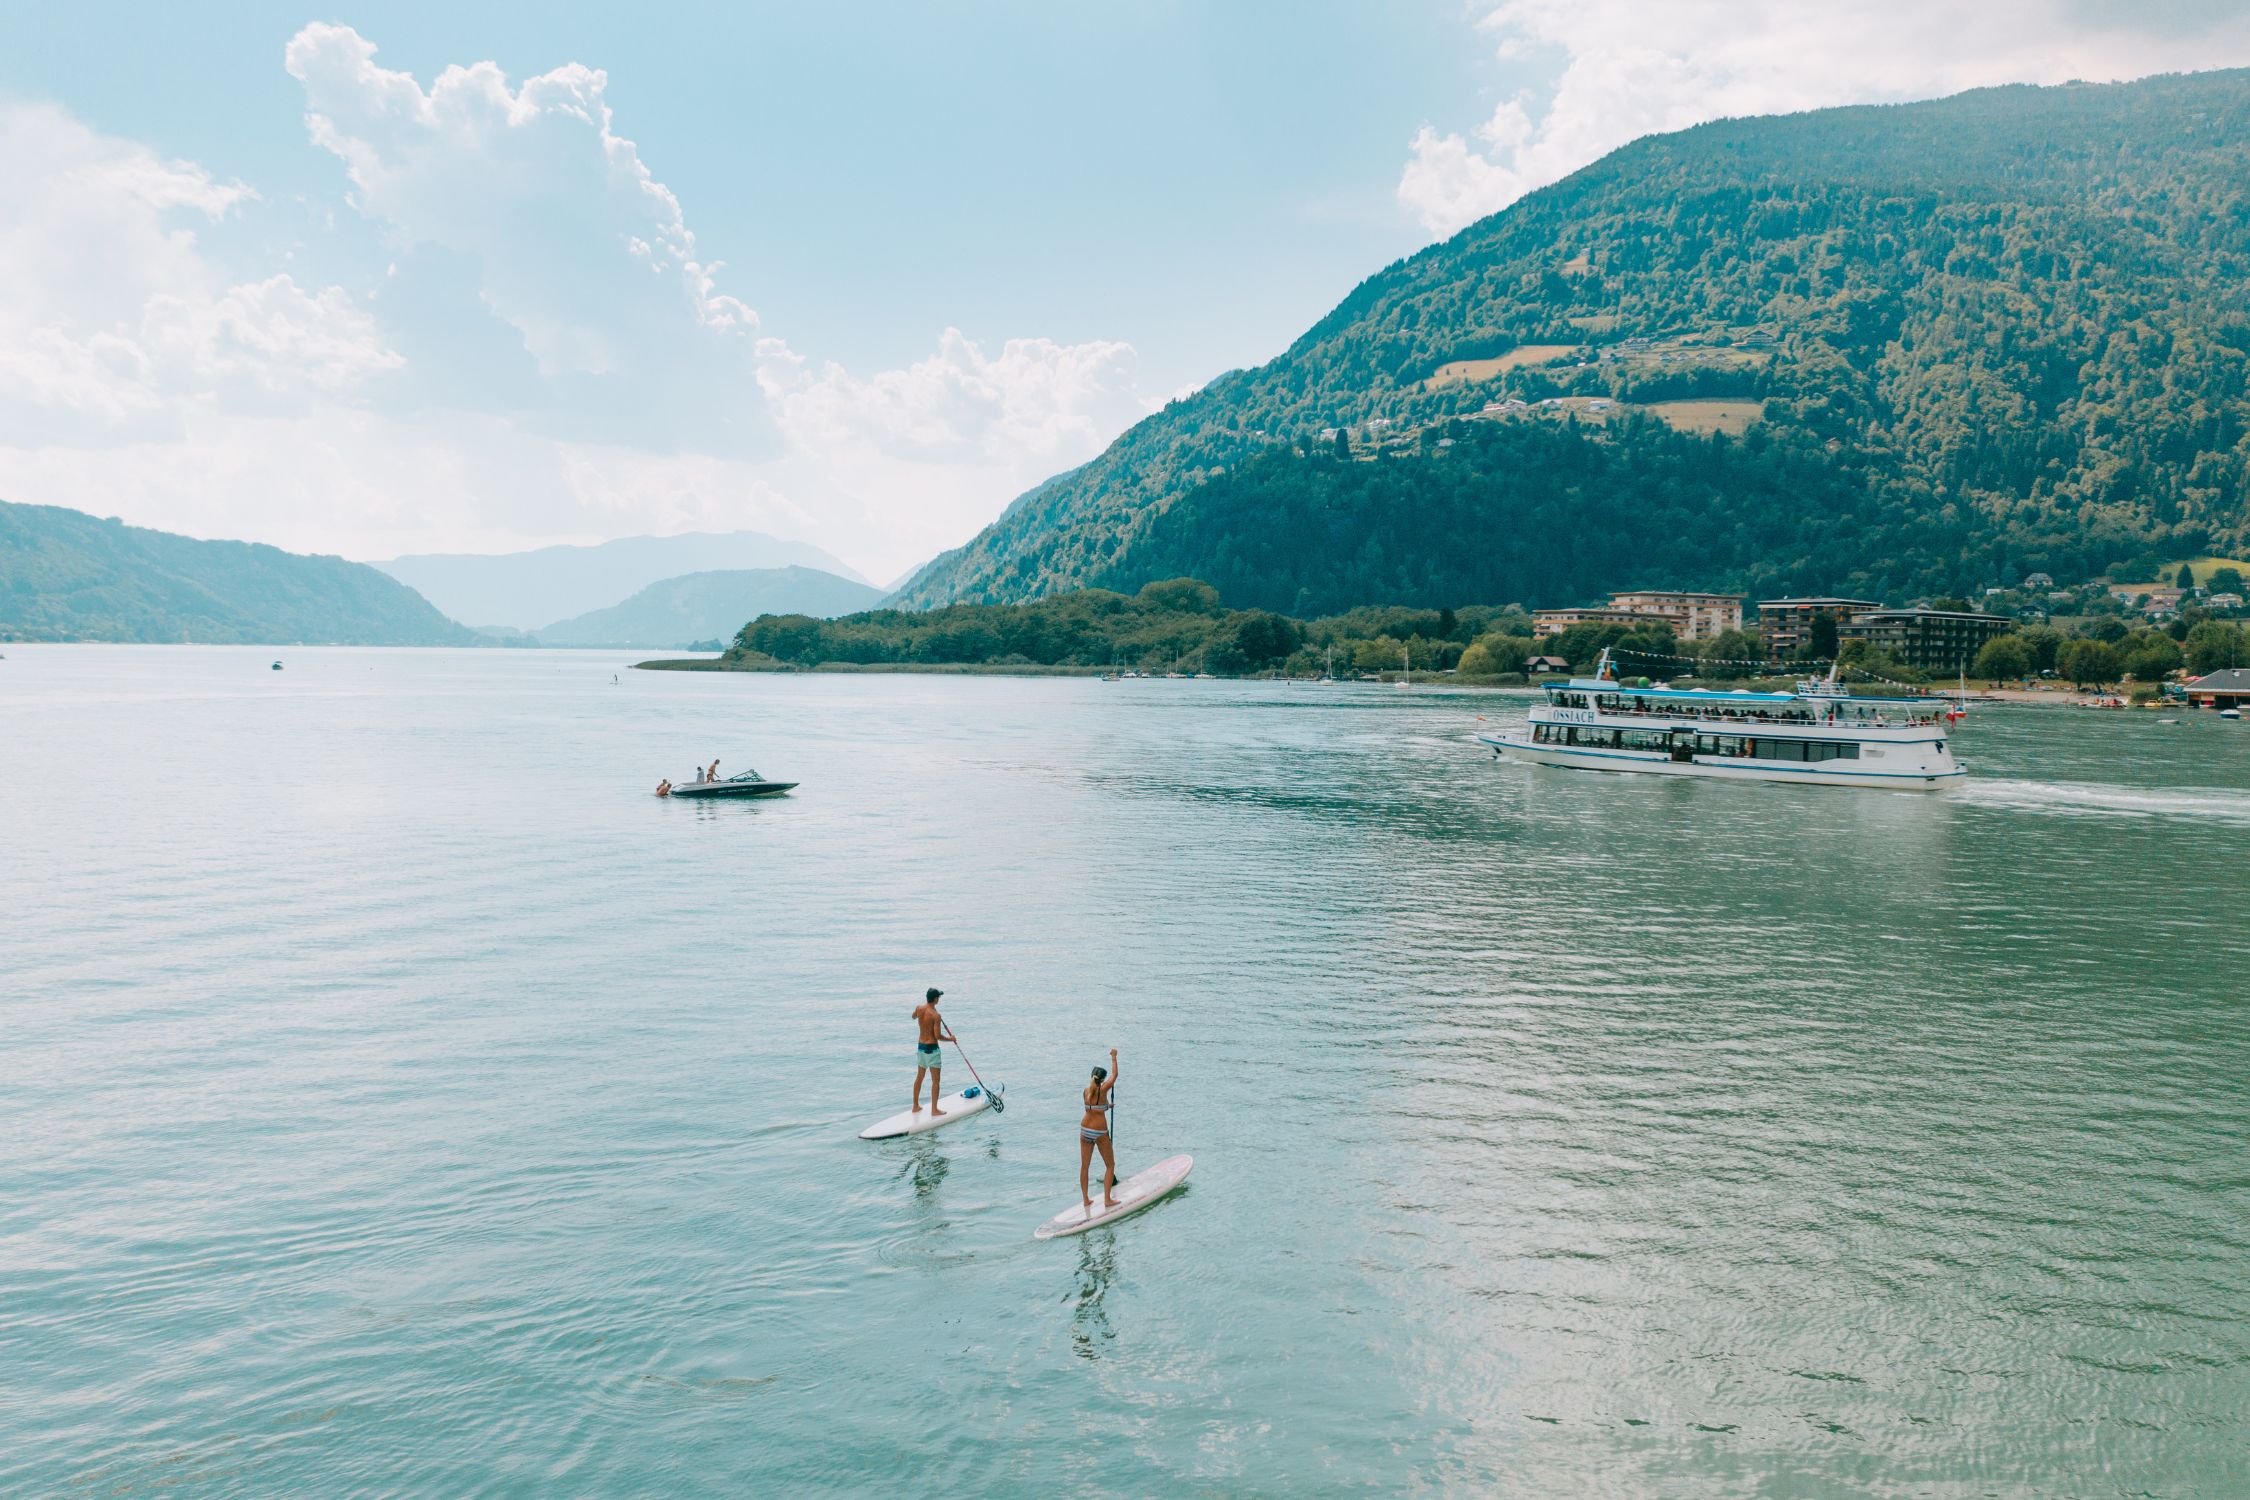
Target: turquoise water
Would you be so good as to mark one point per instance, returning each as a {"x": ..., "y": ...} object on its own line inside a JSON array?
[{"x": 399, "y": 1100}]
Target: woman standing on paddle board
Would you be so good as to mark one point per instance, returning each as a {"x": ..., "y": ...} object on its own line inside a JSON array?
[{"x": 1093, "y": 1132}]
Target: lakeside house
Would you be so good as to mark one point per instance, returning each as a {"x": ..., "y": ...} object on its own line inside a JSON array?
[
  {"x": 1692, "y": 616},
  {"x": 1785, "y": 625},
  {"x": 1536, "y": 666},
  {"x": 1547, "y": 622},
  {"x": 2226, "y": 688},
  {"x": 1933, "y": 640}
]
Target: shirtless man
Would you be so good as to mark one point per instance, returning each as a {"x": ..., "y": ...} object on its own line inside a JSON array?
[{"x": 927, "y": 1059}]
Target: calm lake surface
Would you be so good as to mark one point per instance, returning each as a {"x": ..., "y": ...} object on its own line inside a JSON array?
[{"x": 397, "y": 1099}]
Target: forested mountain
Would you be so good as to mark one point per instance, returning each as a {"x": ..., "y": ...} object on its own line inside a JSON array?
[
  {"x": 1905, "y": 349},
  {"x": 527, "y": 590},
  {"x": 711, "y": 607},
  {"x": 65, "y": 575}
]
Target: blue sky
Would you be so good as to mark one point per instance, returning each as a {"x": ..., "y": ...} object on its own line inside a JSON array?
[{"x": 853, "y": 273}]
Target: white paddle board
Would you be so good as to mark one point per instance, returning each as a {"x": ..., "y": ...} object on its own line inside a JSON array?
[
  {"x": 970, "y": 1101},
  {"x": 1133, "y": 1194}
]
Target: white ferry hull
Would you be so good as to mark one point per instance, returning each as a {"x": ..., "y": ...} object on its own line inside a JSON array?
[{"x": 1657, "y": 763}]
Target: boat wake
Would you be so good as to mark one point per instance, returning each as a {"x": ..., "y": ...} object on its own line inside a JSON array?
[{"x": 2101, "y": 800}]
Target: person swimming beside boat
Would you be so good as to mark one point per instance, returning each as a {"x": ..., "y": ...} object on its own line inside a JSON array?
[
  {"x": 929, "y": 1031},
  {"x": 664, "y": 787},
  {"x": 1093, "y": 1134}
]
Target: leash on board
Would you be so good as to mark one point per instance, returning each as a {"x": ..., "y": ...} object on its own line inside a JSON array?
[{"x": 999, "y": 1105}]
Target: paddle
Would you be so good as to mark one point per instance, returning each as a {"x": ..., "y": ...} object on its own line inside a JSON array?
[{"x": 999, "y": 1105}]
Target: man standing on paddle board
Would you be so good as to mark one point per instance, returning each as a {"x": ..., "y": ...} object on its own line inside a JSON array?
[{"x": 927, "y": 1059}]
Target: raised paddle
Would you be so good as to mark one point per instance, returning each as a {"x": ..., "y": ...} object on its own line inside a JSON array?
[{"x": 999, "y": 1105}]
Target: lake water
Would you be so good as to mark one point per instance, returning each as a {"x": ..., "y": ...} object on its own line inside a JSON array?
[{"x": 397, "y": 1099}]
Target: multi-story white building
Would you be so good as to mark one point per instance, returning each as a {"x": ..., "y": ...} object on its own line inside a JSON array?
[{"x": 1693, "y": 616}]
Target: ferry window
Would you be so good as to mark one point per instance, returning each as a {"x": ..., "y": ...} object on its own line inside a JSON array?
[
  {"x": 1847, "y": 752},
  {"x": 1789, "y": 750}
]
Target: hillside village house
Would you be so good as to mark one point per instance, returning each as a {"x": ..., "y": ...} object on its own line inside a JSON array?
[
  {"x": 2156, "y": 603},
  {"x": 2229, "y": 688},
  {"x": 1785, "y": 625},
  {"x": 1935, "y": 640}
]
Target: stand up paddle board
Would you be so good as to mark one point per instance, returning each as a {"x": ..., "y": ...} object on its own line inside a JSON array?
[
  {"x": 972, "y": 1100},
  {"x": 1133, "y": 1194}
]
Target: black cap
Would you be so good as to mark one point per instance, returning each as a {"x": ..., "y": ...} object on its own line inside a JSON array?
[{"x": 932, "y": 993}]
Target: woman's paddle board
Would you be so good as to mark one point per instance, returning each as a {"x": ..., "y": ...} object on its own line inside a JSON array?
[
  {"x": 970, "y": 1101},
  {"x": 1133, "y": 1194}
]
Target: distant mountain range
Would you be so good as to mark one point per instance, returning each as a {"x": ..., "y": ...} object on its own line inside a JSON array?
[
  {"x": 1876, "y": 351},
  {"x": 711, "y": 606},
  {"x": 68, "y": 576},
  {"x": 529, "y": 590}
]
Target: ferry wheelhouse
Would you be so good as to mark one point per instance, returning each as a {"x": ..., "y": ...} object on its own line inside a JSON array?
[{"x": 1820, "y": 733}]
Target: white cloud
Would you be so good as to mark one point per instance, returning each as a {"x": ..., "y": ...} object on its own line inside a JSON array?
[
  {"x": 961, "y": 431},
  {"x": 1038, "y": 402},
  {"x": 112, "y": 319},
  {"x": 1628, "y": 68},
  {"x": 551, "y": 358},
  {"x": 583, "y": 251}
]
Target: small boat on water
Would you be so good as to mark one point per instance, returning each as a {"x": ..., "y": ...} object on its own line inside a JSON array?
[{"x": 748, "y": 784}]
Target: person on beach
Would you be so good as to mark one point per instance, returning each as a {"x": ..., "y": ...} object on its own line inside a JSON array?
[
  {"x": 929, "y": 1031},
  {"x": 1093, "y": 1134}
]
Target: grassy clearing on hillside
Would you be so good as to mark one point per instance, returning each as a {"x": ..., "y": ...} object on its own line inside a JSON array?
[
  {"x": 2206, "y": 566},
  {"x": 1460, "y": 370},
  {"x": 1730, "y": 417}
]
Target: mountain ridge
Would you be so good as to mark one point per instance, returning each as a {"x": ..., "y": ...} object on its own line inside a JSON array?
[
  {"x": 546, "y": 585},
  {"x": 67, "y": 575},
  {"x": 1997, "y": 333},
  {"x": 712, "y": 605}
]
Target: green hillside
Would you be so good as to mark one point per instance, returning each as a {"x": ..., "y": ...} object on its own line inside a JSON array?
[
  {"x": 1916, "y": 348},
  {"x": 711, "y": 606},
  {"x": 68, "y": 576}
]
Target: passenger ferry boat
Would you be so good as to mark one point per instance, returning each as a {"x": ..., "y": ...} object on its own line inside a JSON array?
[{"x": 1820, "y": 733}]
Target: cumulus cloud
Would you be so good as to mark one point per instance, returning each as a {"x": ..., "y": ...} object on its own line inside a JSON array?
[
  {"x": 1036, "y": 402},
  {"x": 551, "y": 356},
  {"x": 114, "y": 323},
  {"x": 1628, "y": 68},
  {"x": 961, "y": 431},
  {"x": 574, "y": 242}
]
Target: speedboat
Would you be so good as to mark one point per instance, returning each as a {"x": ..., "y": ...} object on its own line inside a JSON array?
[{"x": 748, "y": 784}]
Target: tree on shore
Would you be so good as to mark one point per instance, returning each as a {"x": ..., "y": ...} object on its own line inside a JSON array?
[
  {"x": 2004, "y": 656},
  {"x": 2088, "y": 663}
]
